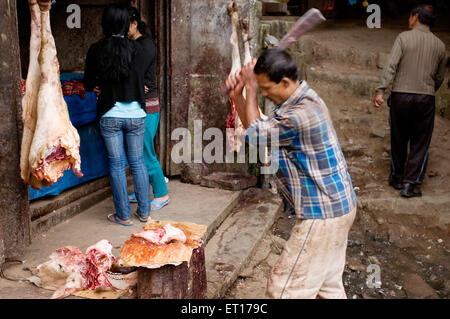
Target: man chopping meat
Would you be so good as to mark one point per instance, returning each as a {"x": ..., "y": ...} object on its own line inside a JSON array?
[{"x": 312, "y": 175}]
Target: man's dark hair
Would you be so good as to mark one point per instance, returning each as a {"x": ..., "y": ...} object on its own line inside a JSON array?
[
  {"x": 276, "y": 64},
  {"x": 426, "y": 14}
]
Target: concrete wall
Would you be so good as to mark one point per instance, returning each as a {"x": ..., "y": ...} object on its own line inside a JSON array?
[
  {"x": 71, "y": 43},
  {"x": 14, "y": 218},
  {"x": 200, "y": 63}
]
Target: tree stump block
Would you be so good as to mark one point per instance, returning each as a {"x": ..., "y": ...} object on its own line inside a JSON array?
[{"x": 174, "y": 282}]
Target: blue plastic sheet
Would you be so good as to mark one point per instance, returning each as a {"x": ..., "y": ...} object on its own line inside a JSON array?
[
  {"x": 94, "y": 163},
  {"x": 94, "y": 160},
  {"x": 81, "y": 111}
]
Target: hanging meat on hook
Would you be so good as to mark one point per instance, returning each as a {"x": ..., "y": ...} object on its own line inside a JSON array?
[
  {"x": 30, "y": 94},
  {"x": 235, "y": 136},
  {"x": 50, "y": 143}
]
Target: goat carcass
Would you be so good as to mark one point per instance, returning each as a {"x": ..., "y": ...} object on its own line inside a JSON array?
[
  {"x": 233, "y": 121},
  {"x": 50, "y": 143},
  {"x": 99, "y": 259},
  {"x": 69, "y": 270},
  {"x": 65, "y": 272}
]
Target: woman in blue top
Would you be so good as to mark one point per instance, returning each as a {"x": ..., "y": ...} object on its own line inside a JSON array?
[
  {"x": 116, "y": 66},
  {"x": 139, "y": 33}
]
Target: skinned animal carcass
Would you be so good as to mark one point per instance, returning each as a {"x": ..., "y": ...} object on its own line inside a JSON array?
[
  {"x": 69, "y": 270},
  {"x": 65, "y": 272},
  {"x": 235, "y": 129},
  {"x": 99, "y": 260},
  {"x": 50, "y": 143}
]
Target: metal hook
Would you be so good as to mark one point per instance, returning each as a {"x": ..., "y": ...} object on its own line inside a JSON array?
[{"x": 2, "y": 269}]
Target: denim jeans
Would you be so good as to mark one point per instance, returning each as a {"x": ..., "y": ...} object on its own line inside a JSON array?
[{"x": 124, "y": 139}]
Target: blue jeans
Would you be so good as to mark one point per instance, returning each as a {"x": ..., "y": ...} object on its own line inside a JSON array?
[{"x": 124, "y": 139}]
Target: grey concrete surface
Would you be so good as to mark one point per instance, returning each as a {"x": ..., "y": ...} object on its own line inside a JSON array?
[
  {"x": 189, "y": 203},
  {"x": 237, "y": 239}
]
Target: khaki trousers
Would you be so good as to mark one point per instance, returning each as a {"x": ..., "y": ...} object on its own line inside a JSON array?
[{"x": 313, "y": 260}]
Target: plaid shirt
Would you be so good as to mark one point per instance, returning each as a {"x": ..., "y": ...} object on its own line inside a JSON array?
[{"x": 312, "y": 174}]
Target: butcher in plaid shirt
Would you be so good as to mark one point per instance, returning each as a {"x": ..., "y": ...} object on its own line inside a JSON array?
[{"x": 312, "y": 175}]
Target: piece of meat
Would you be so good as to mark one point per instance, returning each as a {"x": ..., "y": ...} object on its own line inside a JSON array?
[
  {"x": 74, "y": 87},
  {"x": 154, "y": 235},
  {"x": 173, "y": 233},
  {"x": 64, "y": 272},
  {"x": 69, "y": 270},
  {"x": 162, "y": 236},
  {"x": 99, "y": 259},
  {"x": 53, "y": 131}
]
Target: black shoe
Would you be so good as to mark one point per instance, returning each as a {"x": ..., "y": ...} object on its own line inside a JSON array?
[
  {"x": 396, "y": 182},
  {"x": 410, "y": 190}
]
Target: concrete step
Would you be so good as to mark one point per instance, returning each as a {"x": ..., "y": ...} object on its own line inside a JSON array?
[
  {"x": 233, "y": 245},
  {"x": 432, "y": 209},
  {"x": 45, "y": 223},
  {"x": 355, "y": 82},
  {"x": 43, "y": 206},
  {"x": 53, "y": 210}
]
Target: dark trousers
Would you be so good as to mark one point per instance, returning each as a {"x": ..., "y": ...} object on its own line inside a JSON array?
[{"x": 411, "y": 118}]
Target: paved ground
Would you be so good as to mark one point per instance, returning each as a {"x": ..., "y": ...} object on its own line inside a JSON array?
[{"x": 189, "y": 203}]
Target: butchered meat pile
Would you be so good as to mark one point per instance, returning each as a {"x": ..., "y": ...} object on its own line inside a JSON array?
[{"x": 69, "y": 270}]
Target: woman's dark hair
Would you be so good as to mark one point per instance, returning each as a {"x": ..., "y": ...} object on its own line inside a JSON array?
[
  {"x": 426, "y": 14},
  {"x": 276, "y": 64},
  {"x": 134, "y": 15},
  {"x": 118, "y": 51}
]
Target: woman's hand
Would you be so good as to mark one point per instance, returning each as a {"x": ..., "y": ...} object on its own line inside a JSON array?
[
  {"x": 145, "y": 89},
  {"x": 97, "y": 91}
]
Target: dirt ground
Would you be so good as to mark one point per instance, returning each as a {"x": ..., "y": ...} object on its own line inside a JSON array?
[{"x": 414, "y": 263}]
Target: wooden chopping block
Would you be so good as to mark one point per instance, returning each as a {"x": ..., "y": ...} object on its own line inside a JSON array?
[
  {"x": 171, "y": 271},
  {"x": 175, "y": 282}
]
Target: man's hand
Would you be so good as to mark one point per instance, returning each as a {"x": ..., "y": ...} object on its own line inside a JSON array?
[
  {"x": 249, "y": 77},
  {"x": 145, "y": 89},
  {"x": 378, "y": 101},
  {"x": 45, "y": 5},
  {"x": 234, "y": 85},
  {"x": 240, "y": 79}
]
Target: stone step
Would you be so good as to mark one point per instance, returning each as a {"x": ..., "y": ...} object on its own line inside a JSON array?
[
  {"x": 358, "y": 83},
  {"x": 404, "y": 222},
  {"x": 347, "y": 55},
  {"x": 233, "y": 245},
  {"x": 433, "y": 209},
  {"x": 50, "y": 211},
  {"x": 229, "y": 180},
  {"x": 45, "y": 205}
]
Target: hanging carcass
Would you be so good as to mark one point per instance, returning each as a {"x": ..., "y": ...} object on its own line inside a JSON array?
[
  {"x": 50, "y": 144},
  {"x": 235, "y": 135}
]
